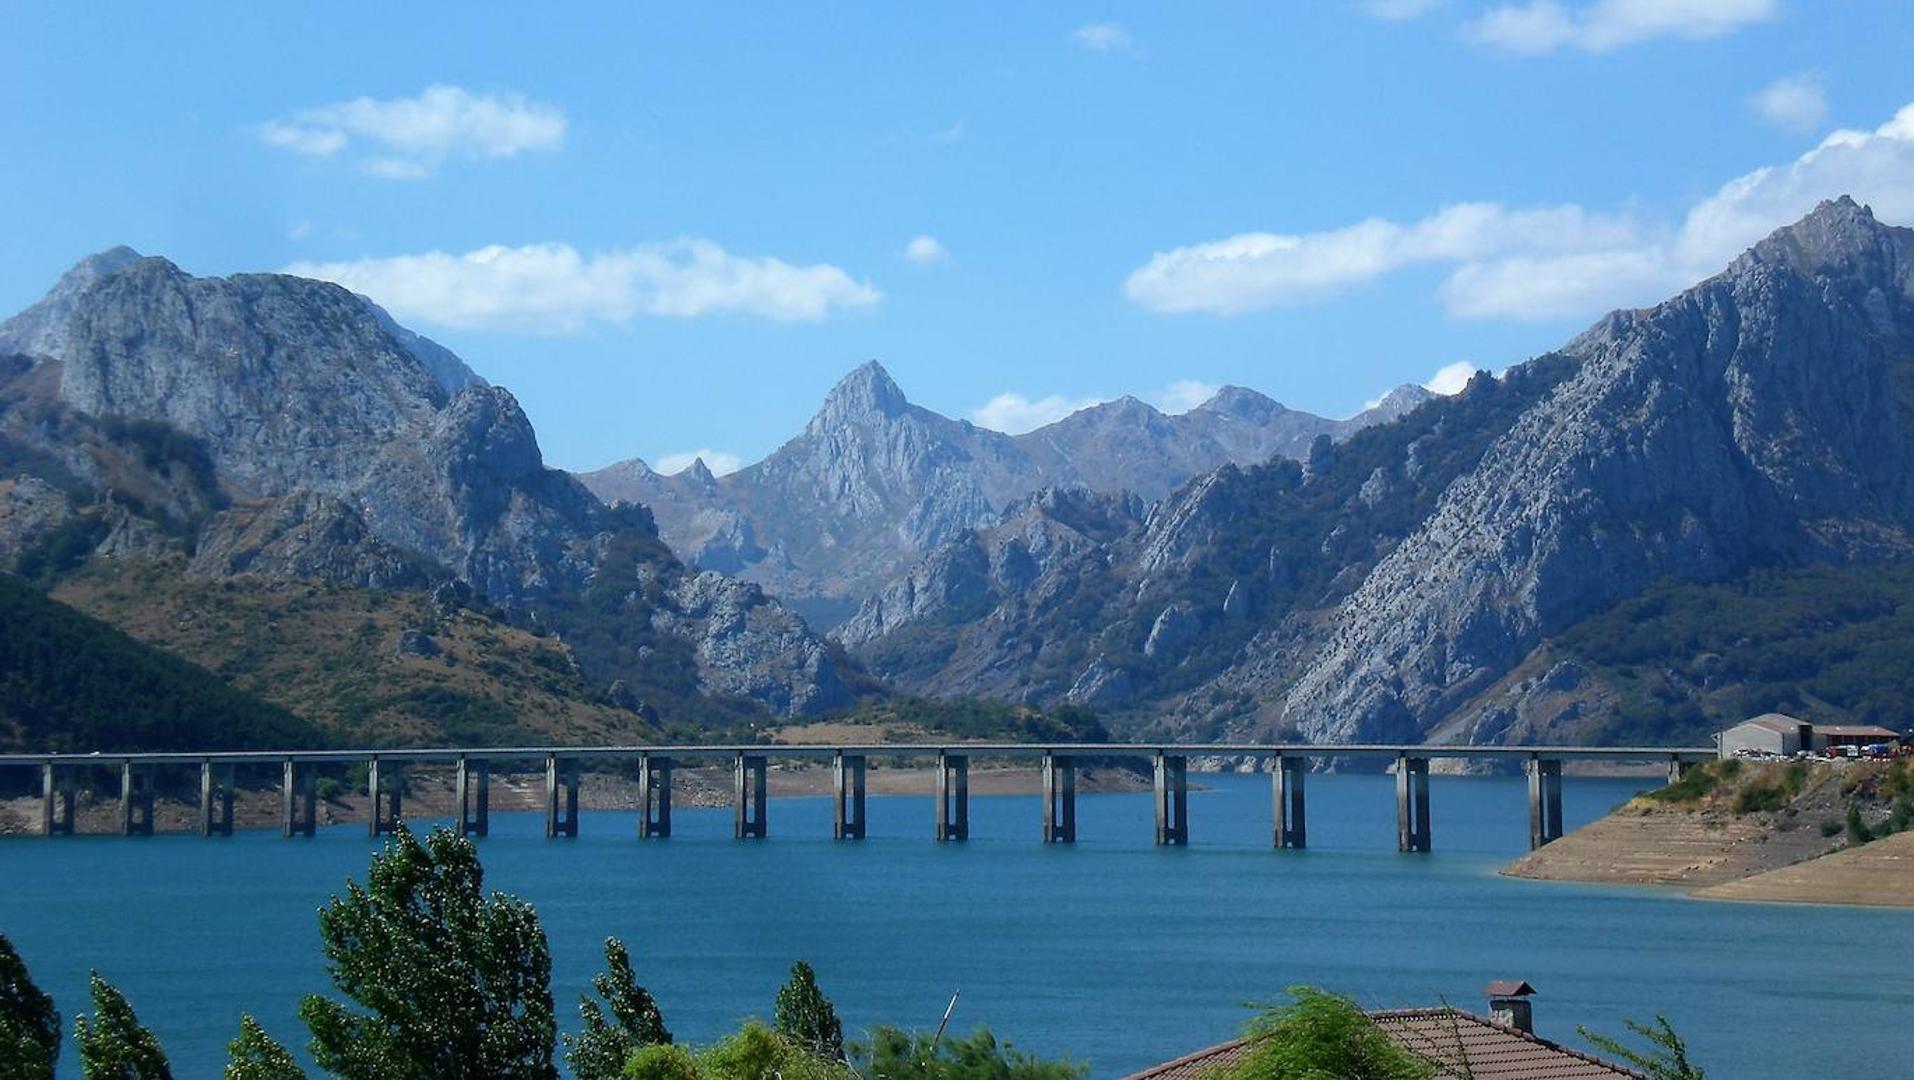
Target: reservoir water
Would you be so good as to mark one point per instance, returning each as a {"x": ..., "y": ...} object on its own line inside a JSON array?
[{"x": 1113, "y": 951}]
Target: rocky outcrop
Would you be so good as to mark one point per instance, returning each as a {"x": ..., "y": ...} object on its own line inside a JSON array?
[
  {"x": 1021, "y": 558},
  {"x": 270, "y": 425},
  {"x": 875, "y": 483},
  {"x": 306, "y": 535}
]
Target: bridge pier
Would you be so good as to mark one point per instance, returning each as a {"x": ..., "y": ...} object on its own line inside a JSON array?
[
  {"x": 561, "y": 817},
  {"x": 387, "y": 790},
  {"x": 1545, "y": 801},
  {"x": 1412, "y": 803},
  {"x": 298, "y": 802},
  {"x": 847, "y": 781},
  {"x": 747, "y": 819},
  {"x": 1286, "y": 793},
  {"x": 136, "y": 800},
  {"x": 654, "y": 796},
  {"x": 472, "y": 790},
  {"x": 1677, "y": 768},
  {"x": 56, "y": 799},
  {"x": 953, "y": 796},
  {"x": 215, "y": 802},
  {"x": 1172, "y": 799},
  {"x": 1059, "y": 799}
]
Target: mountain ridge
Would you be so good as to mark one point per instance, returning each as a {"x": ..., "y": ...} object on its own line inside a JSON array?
[{"x": 874, "y": 481}]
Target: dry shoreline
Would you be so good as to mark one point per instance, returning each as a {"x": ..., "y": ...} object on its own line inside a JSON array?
[{"x": 1715, "y": 848}]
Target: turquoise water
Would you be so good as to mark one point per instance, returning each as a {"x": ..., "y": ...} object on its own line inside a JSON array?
[{"x": 1113, "y": 951}]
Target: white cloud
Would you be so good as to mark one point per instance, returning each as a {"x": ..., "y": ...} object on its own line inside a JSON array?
[
  {"x": 1014, "y": 414},
  {"x": 924, "y": 250},
  {"x": 1796, "y": 104},
  {"x": 299, "y": 231},
  {"x": 1399, "y": 10},
  {"x": 417, "y": 134},
  {"x": 720, "y": 462},
  {"x": 299, "y": 140},
  {"x": 1183, "y": 395},
  {"x": 1538, "y": 263},
  {"x": 1251, "y": 271},
  {"x": 1104, "y": 38},
  {"x": 1543, "y": 26},
  {"x": 552, "y": 288},
  {"x": 1451, "y": 378},
  {"x": 391, "y": 168}
]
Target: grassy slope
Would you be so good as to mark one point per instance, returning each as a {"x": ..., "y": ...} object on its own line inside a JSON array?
[
  {"x": 1832, "y": 644},
  {"x": 70, "y": 682},
  {"x": 330, "y": 653}
]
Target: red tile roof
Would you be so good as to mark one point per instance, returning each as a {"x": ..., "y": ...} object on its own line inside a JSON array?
[{"x": 1444, "y": 1037}]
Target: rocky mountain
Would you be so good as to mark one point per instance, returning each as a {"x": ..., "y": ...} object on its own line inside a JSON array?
[
  {"x": 272, "y": 426},
  {"x": 873, "y": 483},
  {"x": 1398, "y": 584}
]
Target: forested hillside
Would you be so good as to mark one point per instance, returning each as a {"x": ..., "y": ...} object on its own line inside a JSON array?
[{"x": 69, "y": 682}]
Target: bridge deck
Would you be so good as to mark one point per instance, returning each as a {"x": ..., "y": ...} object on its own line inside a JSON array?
[{"x": 802, "y": 751}]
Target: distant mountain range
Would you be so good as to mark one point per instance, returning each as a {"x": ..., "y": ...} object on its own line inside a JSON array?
[
  {"x": 873, "y": 483},
  {"x": 1687, "y": 512}
]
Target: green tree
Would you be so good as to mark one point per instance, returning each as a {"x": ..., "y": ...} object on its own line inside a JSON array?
[
  {"x": 114, "y": 1045},
  {"x": 255, "y": 1055},
  {"x": 455, "y": 984},
  {"x": 755, "y": 1052},
  {"x": 29, "y": 1024},
  {"x": 601, "y": 1051},
  {"x": 661, "y": 1061},
  {"x": 1858, "y": 832},
  {"x": 806, "y": 1017},
  {"x": 895, "y": 1054},
  {"x": 1666, "y": 1058},
  {"x": 1323, "y": 1036}
]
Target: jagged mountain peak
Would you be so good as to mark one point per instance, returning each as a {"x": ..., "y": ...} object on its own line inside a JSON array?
[
  {"x": 867, "y": 391},
  {"x": 101, "y": 263},
  {"x": 1401, "y": 400},
  {"x": 1839, "y": 235},
  {"x": 1244, "y": 402},
  {"x": 40, "y": 330}
]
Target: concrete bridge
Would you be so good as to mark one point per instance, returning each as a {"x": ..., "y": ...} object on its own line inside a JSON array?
[{"x": 1288, "y": 765}]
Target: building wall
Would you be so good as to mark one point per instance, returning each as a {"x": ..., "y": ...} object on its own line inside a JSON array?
[{"x": 1757, "y": 737}]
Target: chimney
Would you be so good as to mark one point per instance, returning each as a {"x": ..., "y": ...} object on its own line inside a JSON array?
[{"x": 1509, "y": 1004}]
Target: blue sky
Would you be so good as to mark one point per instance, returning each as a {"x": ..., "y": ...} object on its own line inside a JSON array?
[{"x": 671, "y": 229}]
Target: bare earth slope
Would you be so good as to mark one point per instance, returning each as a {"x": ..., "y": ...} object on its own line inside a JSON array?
[
  {"x": 1751, "y": 831},
  {"x": 1880, "y": 874}
]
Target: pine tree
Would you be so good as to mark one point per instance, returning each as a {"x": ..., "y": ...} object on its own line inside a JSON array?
[
  {"x": 255, "y": 1055},
  {"x": 601, "y": 1051},
  {"x": 806, "y": 1017},
  {"x": 29, "y": 1024},
  {"x": 455, "y": 985},
  {"x": 114, "y": 1045}
]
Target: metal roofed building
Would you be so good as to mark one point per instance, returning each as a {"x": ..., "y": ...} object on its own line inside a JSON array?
[
  {"x": 1770, "y": 733},
  {"x": 1832, "y": 735}
]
